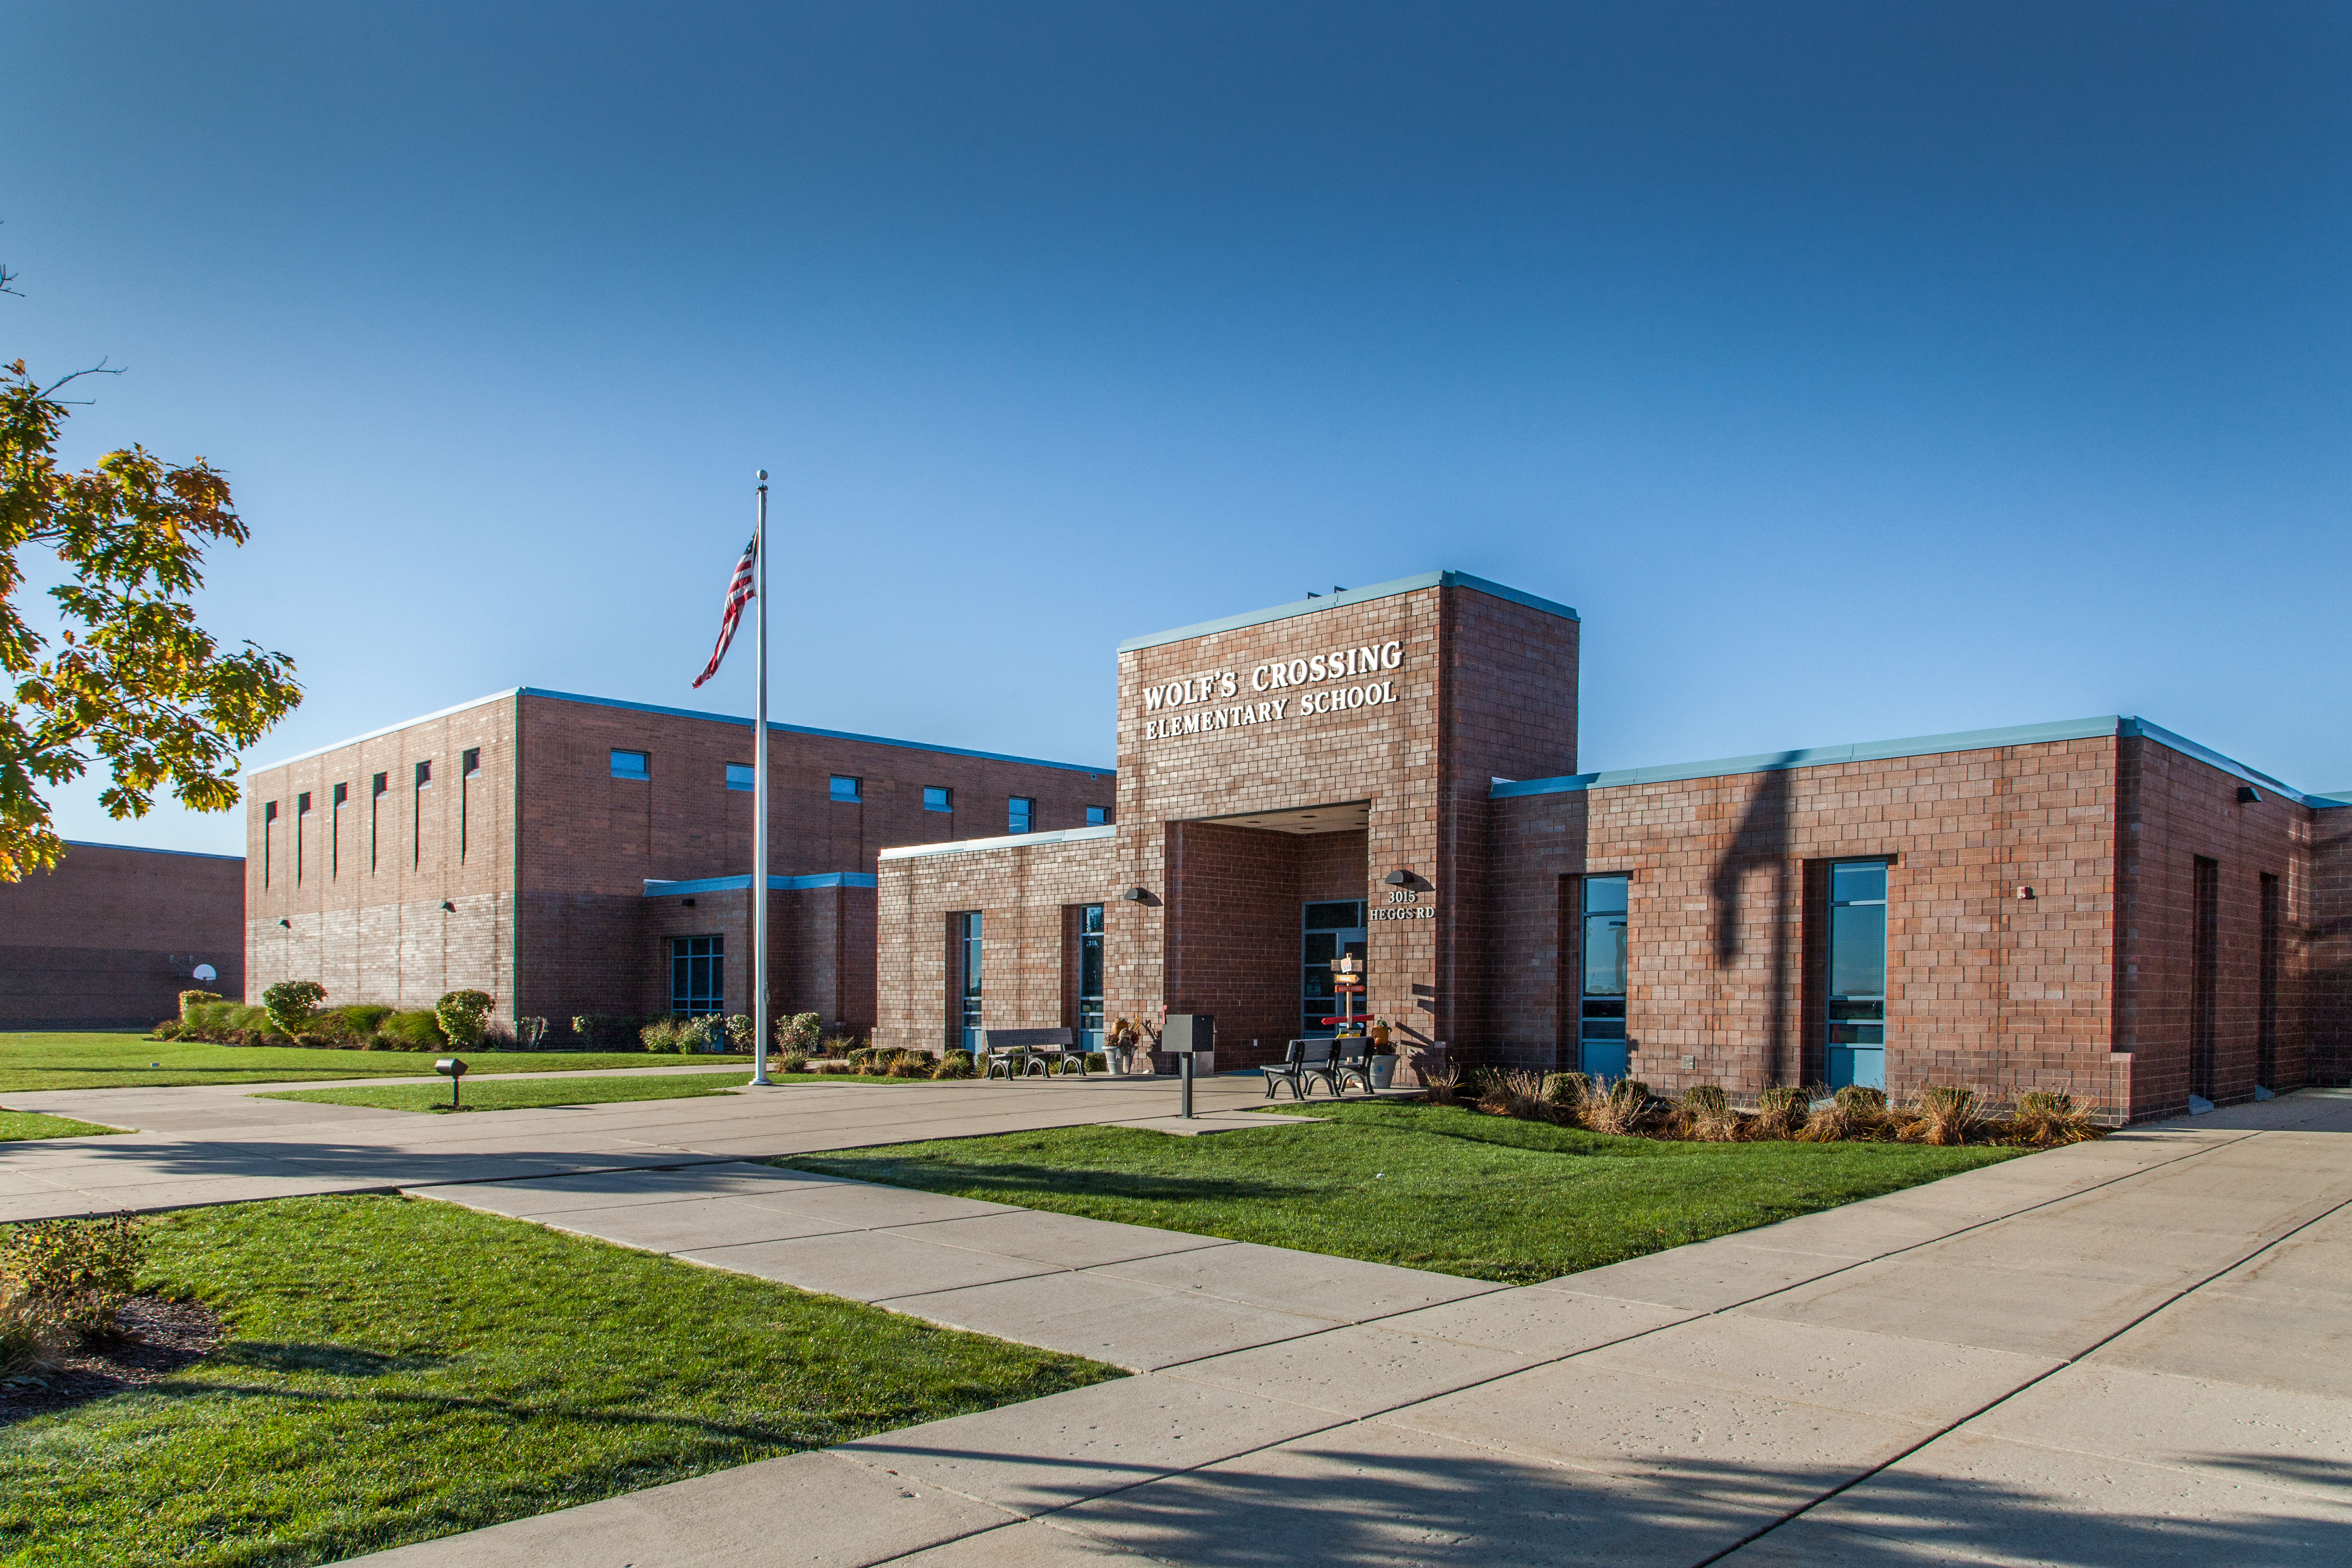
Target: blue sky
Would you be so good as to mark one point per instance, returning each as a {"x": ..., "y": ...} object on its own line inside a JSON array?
[{"x": 1858, "y": 371}]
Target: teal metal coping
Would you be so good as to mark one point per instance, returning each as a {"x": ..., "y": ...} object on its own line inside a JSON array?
[
  {"x": 142, "y": 849},
  {"x": 1351, "y": 597},
  {"x": 1010, "y": 841},
  {"x": 513, "y": 692},
  {"x": 655, "y": 889},
  {"x": 1910, "y": 746}
]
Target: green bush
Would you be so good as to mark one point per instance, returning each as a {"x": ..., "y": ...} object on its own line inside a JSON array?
[
  {"x": 31, "y": 1335},
  {"x": 165, "y": 1029},
  {"x": 607, "y": 1031},
  {"x": 249, "y": 1027},
  {"x": 799, "y": 1032},
  {"x": 194, "y": 998},
  {"x": 417, "y": 1031},
  {"x": 739, "y": 1032},
  {"x": 80, "y": 1271},
  {"x": 1567, "y": 1091},
  {"x": 462, "y": 1015},
  {"x": 207, "y": 1020},
  {"x": 291, "y": 1003},
  {"x": 529, "y": 1032}
]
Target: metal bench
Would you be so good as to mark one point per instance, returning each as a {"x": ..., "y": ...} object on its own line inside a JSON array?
[
  {"x": 1351, "y": 1058},
  {"x": 1302, "y": 1061},
  {"x": 1030, "y": 1053}
]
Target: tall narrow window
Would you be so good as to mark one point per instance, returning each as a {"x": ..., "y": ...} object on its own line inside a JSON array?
[
  {"x": 698, "y": 975},
  {"x": 469, "y": 765},
  {"x": 963, "y": 931},
  {"x": 1857, "y": 989},
  {"x": 1090, "y": 977},
  {"x": 417, "y": 813},
  {"x": 2266, "y": 1041},
  {"x": 268, "y": 829},
  {"x": 1020, "y": 815},
  {"x": 2205, "y": 957},
  {"x": 1329, "y": 930},
  {"x": 335, "y": 832},
  {"x": 1602, "y": 1048},
  {"x": 301, "y": 816},
  {"x": 937, "y": 799},
  {"x": 378, "y": 787}
]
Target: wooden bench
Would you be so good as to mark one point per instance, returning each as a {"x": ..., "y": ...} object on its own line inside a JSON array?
[{"x": 1024, "y": 1053}]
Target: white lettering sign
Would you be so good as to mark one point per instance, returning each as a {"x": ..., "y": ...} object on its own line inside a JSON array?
[{"x": 1322, "y": 670}]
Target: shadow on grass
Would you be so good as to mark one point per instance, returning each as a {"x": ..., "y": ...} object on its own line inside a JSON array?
[
  {"x": 1060, "y": 1181},
  {"x": 335, "y": 1361}
]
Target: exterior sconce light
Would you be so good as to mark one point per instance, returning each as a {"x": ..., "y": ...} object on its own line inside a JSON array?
[
  {"x": 287, "y": 924},
  {"x": 1135, "y": 896},
  {"x": 448, "y": 906},
  {"x": 1400, "y": 878},
  {"x": 2025, "y": 892},
  {"x": 2249, "y": 795}
]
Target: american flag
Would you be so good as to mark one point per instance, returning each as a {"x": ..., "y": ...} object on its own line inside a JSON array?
[{"x": 738, "y": 594}]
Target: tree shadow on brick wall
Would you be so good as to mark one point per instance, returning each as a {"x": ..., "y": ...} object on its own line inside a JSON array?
[{"x": 1762, "y": 842}]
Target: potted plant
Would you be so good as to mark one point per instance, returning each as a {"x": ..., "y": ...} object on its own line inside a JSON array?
[{"x": 1383, "y": 1059}]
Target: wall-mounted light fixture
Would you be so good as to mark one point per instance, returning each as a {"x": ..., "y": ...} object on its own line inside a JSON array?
[
  {"x": 448, "y": 906},
  {"x": 287, "y": 924},
  {"x": 2249, "y": 795},
  {"x": 1135, "y": 896},
  {"x": 2025, "y": 892},
  {"x": 1400, "y": 878}
]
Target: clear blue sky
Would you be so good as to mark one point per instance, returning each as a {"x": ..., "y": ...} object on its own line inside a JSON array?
[{"x": 1858, "y": 370}]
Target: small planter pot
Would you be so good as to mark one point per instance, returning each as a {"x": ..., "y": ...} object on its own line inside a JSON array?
[{"x": 1384, "y": 1069}]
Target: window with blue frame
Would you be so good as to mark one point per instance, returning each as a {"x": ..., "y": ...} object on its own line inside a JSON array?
[
  {"x": 1602, "y": 1048},
  {"x": 1020, "y": 815},
  {"x": 698, "y": 975},
  {"x": 1097, "y": 816},
  {"x": 742, "y": 777},
  {"x": 963, "y": 931},
  {"x": 1330, "y": 929},
  {"x": 632, "y": 764},
  {"x": 937, "y": 799},
  {"x": 849, "y": 789},
  {"x": 1857, "y": 979},
  {"x": 1090, "y": 977}
]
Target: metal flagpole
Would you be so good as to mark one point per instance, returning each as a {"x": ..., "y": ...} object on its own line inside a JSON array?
[{"x": 759, "y": 789}]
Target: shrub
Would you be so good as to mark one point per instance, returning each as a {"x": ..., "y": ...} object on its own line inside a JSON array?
[
  {"x": 1780, "y": 1112},
  {"x": 1440, "y": 1084},
  {"x": 1621, "y": 1111},
  {"x": 1945, "y": 1118},
  {"x": 352, "y": 1025},
  {"x": 195, "y": 999},
  {"x": 2044, "y": 1119},
  {"x": 31, "y": 1335},
  {"x": 207, "y": 1020},
  {"x": 791, "y": 1062},
  {"x": 79, "y": 1271},
  {"x": 739, "y": 1032},
  {"x": 165, "y": 1029},
  {"x": 417, "y": 1031},
  {"x": 1705, "y": 1114},
  {"x": 462, "y": 1015},
  {"x": 955, "y": 1064},
  {"x": 799, "y": 1032},
  {"x": 909, "y": 1064},
  {"x": 1567, "y": 1091},
  {"x": 529, "y": 1033},
  {"x": 1856, "y": 1098},
  {"x": 249, "y": 1027},
  {"x": 291, "y": 1003},
  {"x": 661, "y": 1035},
  {"x": 838, "y": 1044}
]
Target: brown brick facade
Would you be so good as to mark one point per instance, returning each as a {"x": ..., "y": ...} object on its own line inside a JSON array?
[{"x": 112, "y": 935}]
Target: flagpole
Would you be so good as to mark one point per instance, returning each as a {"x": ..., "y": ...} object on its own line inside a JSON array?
[{"x": 760, "y": 790}]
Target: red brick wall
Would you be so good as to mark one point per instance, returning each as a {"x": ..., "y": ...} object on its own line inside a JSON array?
[
  {"x": 110, "y": 937},
  {"x": 2327, "y": 956},
  {"x": 2173, "y": 809},
  {"x": 1984, "y": 988}
]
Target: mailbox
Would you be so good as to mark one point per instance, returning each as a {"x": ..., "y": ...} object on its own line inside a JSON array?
[{"x": 1190, "y": 1033}]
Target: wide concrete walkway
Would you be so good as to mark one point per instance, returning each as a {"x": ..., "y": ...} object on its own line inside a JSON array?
[
  {"x": 216, "y": 1143},
  {"x": 2127, "y": 1353}
]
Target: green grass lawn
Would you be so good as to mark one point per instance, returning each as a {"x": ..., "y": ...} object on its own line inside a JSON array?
[
  {"x": 17, "y": 1125},
  {"x": 396, "y": 1368},
  {"x": 515, "y": 1094},
  {"x": 1423, "y": 1186},
  {"x": 122, "y": 1061}
]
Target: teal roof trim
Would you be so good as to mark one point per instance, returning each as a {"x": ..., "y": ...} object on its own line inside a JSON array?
[
  {"x": 1351, "y": 597},
  {"x": 1909, "y": 746},
  {"x": 144, "y": 849},
  {"x": 1009, "y": 841},
  {"x": 655, "y": 889}
]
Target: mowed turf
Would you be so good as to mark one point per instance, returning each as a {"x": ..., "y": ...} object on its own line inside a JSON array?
[
  {"x": 92, "y": 1060},
  {"x": 514, "y": 1094},
  {"x": 16, "y": 1126},
  {"x": 1423, "y": 1186},
  {"x": 396, "y": 1368}
]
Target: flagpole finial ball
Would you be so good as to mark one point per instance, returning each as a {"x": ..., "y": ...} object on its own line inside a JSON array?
[{"x": 763, "y": 473}]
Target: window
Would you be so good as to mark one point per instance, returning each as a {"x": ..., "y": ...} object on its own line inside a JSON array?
[
  {"x": 2204, "y": 977},
  {"x": 1090, "y": 977},
  {"x": 425, "y": 775},
  {"x": 847, "y": 788},
  {"x": 1857, "y": 990},
  {"x": 301, "y": 810},
  {"x": 742, "y": 777},
  {"x": 1602, "y": 1046},
  {"x": 1330, "y": 931},
  {"x": 1097, "y": 816},
  {"x": 937, "y": 799},
  {"x": 698, "y": 975},
  {"x": 378, "y": 787},
  {"x": 417, "y": 813},
  {"x": 470, "y": 763},
  {"x": 268, "y": 824},
  {"x": 1020, "y": 815},
  {"x": 632, "y": 764},
  {"x": 2267, "y": 1020},
  {"x": 342, "y": 798},
  {"x": 964, "y": 933},
  {"x": 302, "y": 804}
]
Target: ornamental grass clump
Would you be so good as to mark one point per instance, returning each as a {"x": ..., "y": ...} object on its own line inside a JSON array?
[
  {"x": 1704, "y": 1115},
  {"x": 955, "y": 1064},
  {"x": 1442, "y": 1084},
  {"x": 909, "y": 1064},
  {"x": 1853, "y": 1115},
  {"x": 1566, "y": 1093},
  {"x": 61, "y": 1283},
  {"x": 1944, "y": 1117},
  {"x": 1623, "y": 1111},
  {"x": 2048, "y": 1119},
  {"x": 1779, "y": 1113}
]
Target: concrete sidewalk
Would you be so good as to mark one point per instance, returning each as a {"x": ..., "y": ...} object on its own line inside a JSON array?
[
  {"x": 2123, "y": 1352},
  {"x": 216, "y": 1143}
]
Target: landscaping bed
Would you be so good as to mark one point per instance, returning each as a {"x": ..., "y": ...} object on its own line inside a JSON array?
[
  {"x": 390, "y": 1370},
  {"x": 1426, "y": 1187}
]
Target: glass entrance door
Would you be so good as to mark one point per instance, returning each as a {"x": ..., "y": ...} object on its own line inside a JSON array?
[
  {"x": 1857, "y": 1020},
  {"x": 1333, "y": 929},
  {"x": 1090, "y": 978},
  {"x": 967, "y": 949},
  {"x": 1603, "y": 1049}
]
